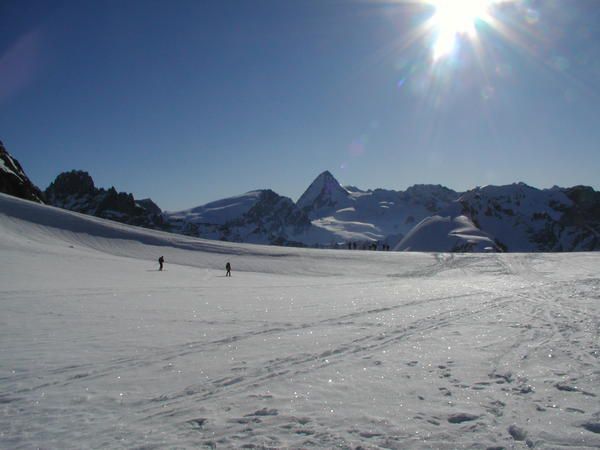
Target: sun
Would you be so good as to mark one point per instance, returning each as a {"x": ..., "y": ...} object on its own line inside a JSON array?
[{"x": 453, "y": 18}]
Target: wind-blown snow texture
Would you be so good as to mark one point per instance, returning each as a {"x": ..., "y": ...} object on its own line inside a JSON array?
[{"x": 298, "y": 349}]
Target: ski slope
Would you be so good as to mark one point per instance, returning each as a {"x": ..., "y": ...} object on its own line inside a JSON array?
[{"x": 298, "y": 349}]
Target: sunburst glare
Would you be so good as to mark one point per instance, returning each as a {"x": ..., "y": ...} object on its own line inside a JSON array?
[{"x": 454, "y": 18}]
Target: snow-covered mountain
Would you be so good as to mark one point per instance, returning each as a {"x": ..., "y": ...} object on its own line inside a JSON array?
[
  {"x": 326, "y": 214},
  {"x": 75, "y": 191},
  {"x": 13, "y": 180},
  {"x": 324, "y": 196},
  {"x": 260, "y": 216},
  {"x": 514, "y": 218},
  {"x": 522, "y": 218},
  {"x": 379, "y": 215}
]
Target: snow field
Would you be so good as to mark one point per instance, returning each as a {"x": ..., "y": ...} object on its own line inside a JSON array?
[{"x": 298, "y": 349}]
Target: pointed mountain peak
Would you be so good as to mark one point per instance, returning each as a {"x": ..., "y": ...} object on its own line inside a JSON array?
[
  {"x": 327, "y": 181},
  {"x": 324, "y": 191},
  {"x": 325, "y": 175}
]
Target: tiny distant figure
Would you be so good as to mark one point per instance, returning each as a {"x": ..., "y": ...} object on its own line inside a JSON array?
[
  {"x": 228, "y": 269},
  {"x": 161, "y": 261}
]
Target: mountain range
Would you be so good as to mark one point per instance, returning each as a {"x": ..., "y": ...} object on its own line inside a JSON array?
[{"x": 513, "y": 218}]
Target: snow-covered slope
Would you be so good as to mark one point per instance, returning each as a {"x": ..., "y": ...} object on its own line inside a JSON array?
[
  {"x": 522, "y": 218},
  {"x": 447, "y": 234},
  {"x": 517, "y": 218},
  {"x": 298, "y": 349},
  {"x": 256, "y": 217},
  {"x": 219, "y": 212},
  {"x": 379, "y": 215}
]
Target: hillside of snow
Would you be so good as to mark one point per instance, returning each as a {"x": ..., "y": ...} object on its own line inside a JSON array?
[
  {"x": 299, "y": 348},
  {"x": 220, "y": 211},
  {"x": 449, "y": 234},
  {"x": 522, "y": 218}
]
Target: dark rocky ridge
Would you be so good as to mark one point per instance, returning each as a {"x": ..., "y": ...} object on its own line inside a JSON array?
[
  {"x": 13, "y": 180},
  {"x": 75, "y": 191}
]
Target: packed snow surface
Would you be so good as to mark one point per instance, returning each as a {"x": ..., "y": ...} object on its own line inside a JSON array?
[{"x": 298, "y": 349}]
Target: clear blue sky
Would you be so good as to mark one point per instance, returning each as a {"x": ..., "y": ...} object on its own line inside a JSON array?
[{"x": 191, "y": 101}]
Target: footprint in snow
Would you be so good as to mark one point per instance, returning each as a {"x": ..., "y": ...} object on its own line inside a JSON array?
[
  {"x": 594, "y": 427},
  {"x": 263, "y": 412},
  {"x": 197, "y": 423},
  {"x": 461, "y": 417},
  {"x": 517, "y": 433}
]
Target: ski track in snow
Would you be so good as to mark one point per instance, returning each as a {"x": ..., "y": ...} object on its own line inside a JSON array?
[{"x": 317, "y": 349}]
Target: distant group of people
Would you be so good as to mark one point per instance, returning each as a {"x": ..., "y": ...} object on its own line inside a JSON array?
[
  {"x": 161, "y": 262},
  {"x": 368, "y": 246}
]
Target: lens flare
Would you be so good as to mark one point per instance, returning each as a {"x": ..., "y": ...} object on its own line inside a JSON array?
[{"x": 453, "y": 18}]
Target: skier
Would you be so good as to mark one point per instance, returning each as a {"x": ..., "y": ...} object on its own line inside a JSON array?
[
  {"x": 228, "y": 269},
  {"x": 161, "y": 260}
]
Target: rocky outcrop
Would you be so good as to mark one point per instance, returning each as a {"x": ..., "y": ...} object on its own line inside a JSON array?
[
  {"x": 14, "y": 181},
  {"x": 75, "y": 191}
]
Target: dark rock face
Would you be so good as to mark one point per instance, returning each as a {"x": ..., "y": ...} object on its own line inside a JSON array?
[
  {"x": 434, "y": 197},
  {"x": 75, "y": 191},
  {"x": 13, "y": 180},
  {"x": 149, "y": 206},
  {"x": 274, "y": 215},
  {"x": 75, "y": 182},
  {"x": 584, "y": 215}
]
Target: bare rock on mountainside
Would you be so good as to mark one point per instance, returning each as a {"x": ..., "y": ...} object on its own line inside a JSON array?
[
  {"x": 75, "y": 191},
  {"x": 13, "y": 180},
  {"x": 325, "y": 194},
  {"x": 522, "y": 218},
  {"x": 261, "y": 216}
]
